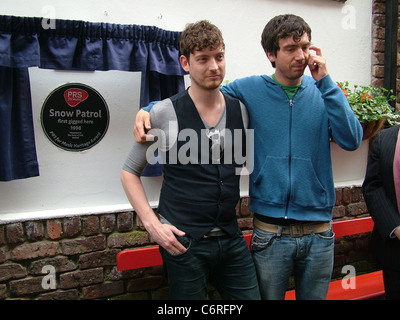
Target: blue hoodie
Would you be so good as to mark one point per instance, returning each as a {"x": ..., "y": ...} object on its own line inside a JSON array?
[{"x": 292, "y": 176}]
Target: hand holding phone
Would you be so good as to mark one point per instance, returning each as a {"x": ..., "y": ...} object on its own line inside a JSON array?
[{"x": 317, "y": 64}]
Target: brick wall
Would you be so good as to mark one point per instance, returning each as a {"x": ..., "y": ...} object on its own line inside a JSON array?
[
  {"x": 82, "y": 250},
  {"x": 378, "y": 47},
  {"x": 351, "y": 250}
]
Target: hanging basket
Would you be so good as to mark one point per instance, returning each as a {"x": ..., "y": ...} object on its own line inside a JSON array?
[{"x": 371, "y": 128}]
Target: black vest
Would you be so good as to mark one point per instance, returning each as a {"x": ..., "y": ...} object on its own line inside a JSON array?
[{"x": 196, "y": 196}]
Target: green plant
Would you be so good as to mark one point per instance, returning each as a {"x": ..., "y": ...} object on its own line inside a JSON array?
[{"x": 370, "y": 103}]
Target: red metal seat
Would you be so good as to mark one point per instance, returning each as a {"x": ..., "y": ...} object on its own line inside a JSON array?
[{"x": 366, "y": 286}]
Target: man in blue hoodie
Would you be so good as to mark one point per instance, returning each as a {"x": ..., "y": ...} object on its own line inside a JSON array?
[{"x": 291, "y": 188}]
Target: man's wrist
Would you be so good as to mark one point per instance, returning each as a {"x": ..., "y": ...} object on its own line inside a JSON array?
[{"x": 396, "y": 233}]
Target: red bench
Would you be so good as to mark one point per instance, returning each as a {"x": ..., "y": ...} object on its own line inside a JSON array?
[{"x": 367, "y": 286}]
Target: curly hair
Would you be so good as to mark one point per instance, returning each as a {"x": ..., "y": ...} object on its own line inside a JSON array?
[
  {"x": 198, "y": 36},
  {"x": 280, "y": 27}
]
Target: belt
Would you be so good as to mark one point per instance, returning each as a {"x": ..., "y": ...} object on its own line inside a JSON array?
[
  {"x": 295, "y": 230},
  {"x": 213, "y": 234}
]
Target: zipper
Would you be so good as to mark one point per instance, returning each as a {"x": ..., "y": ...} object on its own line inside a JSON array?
[{"x": 290, "y": 156}]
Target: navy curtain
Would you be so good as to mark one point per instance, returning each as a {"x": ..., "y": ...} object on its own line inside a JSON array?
[
  {"x": 74, "y": 45},
  {"x": 17, "y": 146}
]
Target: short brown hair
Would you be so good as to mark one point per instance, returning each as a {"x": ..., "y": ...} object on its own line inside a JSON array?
[
  {"x": 280, "y": 27},
  {"x": 198, "y": 36}
]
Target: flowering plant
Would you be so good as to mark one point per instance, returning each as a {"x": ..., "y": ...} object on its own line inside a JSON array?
[{"x": 370, "y": 103}]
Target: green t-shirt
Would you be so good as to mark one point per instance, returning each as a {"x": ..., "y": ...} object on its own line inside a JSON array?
[{"x": 290, "y": 90}]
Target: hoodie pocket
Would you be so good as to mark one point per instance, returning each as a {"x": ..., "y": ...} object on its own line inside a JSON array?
[
  {"x": 307, "y": 190},
  {"x": 271, "y": 181}
]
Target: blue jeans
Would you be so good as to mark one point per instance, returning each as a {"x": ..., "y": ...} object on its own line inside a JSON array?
[
  {"x": 224, "y": 261},
  {"x": 309, "y": 258}
]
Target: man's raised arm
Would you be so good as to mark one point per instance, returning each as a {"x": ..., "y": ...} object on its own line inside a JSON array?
[{"x": 142, "y": 124}]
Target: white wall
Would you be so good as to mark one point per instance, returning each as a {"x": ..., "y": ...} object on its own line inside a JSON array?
[{"x": 88, "y": 182}]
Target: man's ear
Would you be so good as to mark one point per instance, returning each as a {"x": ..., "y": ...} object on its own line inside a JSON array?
[
  {"x": 271, "y": 56},
  {"x": 184, "y": 63}
]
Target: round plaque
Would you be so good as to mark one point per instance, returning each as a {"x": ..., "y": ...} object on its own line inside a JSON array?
[{"x": 75, "y": 117}]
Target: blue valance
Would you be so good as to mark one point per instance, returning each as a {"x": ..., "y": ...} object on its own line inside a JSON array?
[{"x": 77, "y": 45}]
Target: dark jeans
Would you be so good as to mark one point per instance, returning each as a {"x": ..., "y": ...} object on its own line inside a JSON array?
[{"x": 224, "y": 261}]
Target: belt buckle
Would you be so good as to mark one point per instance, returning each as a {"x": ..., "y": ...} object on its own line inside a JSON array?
[{"x": 296, "y": 230}]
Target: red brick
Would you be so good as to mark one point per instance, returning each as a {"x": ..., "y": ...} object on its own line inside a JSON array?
[
  {"x": 139, "y": 224},
  {"x": 356, "y": 195},
  {"x": 107, "y": 223},
  {"x": 356, "y": 209},
  {"x": 244, "y": 207},
  {"x": 346, "y": 195},
  {"x": 98, "y": 259},
  {"x": 338, "y": 212},
  {"x": 339, "y": 196},
  {"x": 81, "y": 278},
  {"x": 378, "y": 7},
  {"x": 90, "y": 226},
  {"x": 83, "y": 245},
  {"x": 125, "y": 221},
  {"x": 34, "y": 231},
  {"x": 128, "y": 239},
  {"x": 378, "y": 45},
  {"x": 245, "y": 223},
  {"x": 103, "y": 290},
  {"x": 378, "y": 33},
  {"x": 378, "y": 71},
  {"x": 11, "y": 271},
  {"x": 27, "y": 286},
  {"x": 378, "y": 58},
  {"x": 379, "y": 20},
  {"x": 34, "y": 250},
  {"x": 54, "y": 229},
  {"x": 72, "y": 226},
  {"x": 15, "y": 233},
  {"x": 60, "y": 263},
  {"x": 377, "y": 82}
]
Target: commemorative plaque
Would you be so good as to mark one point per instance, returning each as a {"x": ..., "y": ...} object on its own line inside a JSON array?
[{"x": 75, "y": 117}]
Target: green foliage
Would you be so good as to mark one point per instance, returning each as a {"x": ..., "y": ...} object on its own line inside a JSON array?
[{"x": 370, "y": 103}]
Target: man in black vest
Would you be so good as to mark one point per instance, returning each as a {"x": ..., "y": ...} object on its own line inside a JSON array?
[{"x": 201, "y": 139}]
